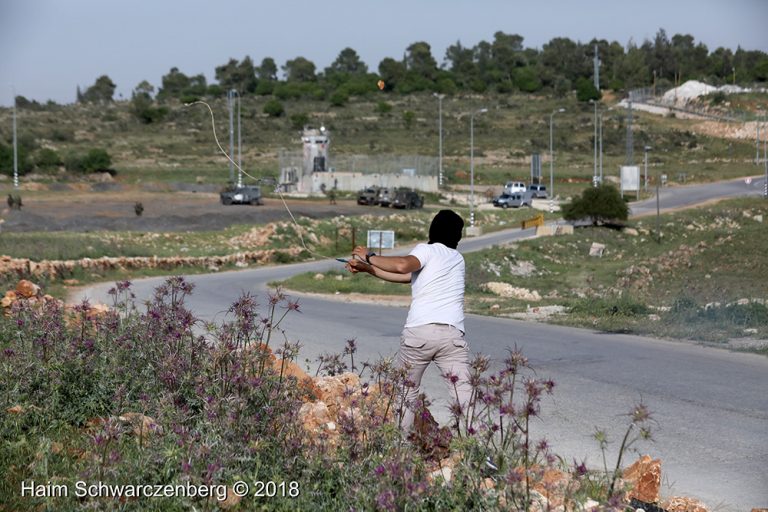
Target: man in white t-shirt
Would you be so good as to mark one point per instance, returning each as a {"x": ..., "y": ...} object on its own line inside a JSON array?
[{"x": 434, "y": 330}]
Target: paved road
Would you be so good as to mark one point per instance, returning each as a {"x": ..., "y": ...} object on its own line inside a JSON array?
[
  {"x": 711, "y": 406},
  {"x": 671, "y": 198}
]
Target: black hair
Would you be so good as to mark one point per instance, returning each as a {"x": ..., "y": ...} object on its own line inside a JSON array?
[{"x": 446, "y": 228}]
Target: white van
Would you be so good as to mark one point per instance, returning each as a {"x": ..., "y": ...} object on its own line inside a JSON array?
[{"x": 514, "y": 187}]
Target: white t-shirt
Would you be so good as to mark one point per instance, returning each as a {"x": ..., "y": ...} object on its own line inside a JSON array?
[{"x": 437, "y": 288}]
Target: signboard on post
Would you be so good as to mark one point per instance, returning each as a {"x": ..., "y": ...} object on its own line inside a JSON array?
[
  {"x": 381, "y": 239},
  {"x": 630, "y": 179}
]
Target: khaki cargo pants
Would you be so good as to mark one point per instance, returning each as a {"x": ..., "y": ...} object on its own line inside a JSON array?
[{"x": 446, "y": 346}]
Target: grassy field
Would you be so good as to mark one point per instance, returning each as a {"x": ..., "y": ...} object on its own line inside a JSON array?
[{"x": 706, "y": 280}]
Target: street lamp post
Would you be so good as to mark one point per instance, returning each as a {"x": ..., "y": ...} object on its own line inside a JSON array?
[
  {"x": 239, "y": 146},
  {"x": 440, "y": 136},
  {"x": 15, "y": 149},
  {"x": 594, "y": 171},
  {"x": 765, "y": 161},
  {"x": 658, "y": 209},
  {"x": 645, "y": 165},
  {"x": 472, "y": 165},
  {"x": 230, "y": 103},
  {"x": 552, "y": 159}
]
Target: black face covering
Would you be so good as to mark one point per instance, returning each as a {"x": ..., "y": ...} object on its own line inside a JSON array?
[{"x": 446, "y": 229}]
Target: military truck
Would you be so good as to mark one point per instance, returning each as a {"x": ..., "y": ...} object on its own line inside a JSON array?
[{"x": 247, "y": 194}]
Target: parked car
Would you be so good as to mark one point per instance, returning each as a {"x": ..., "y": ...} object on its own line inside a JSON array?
[
  {"x": 512, "y": 200},
  {"x": 384, "y": 197},
  {"x": 367, "y": 196},
  {"x": 513, "y": 187},
  {"x": 407, "y": 199},
  {"x": 538, "y": 191},
  {"x": 247, "y": 194}
]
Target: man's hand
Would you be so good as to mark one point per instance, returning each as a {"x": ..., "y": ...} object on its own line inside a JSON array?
[{"x": 355, "y": 265}]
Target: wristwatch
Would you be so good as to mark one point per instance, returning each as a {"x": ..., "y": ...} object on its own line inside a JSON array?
[{"x": 368, "y": 257}]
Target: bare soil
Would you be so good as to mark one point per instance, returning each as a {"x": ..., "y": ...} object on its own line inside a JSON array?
[{"x": 163, "y": 212}]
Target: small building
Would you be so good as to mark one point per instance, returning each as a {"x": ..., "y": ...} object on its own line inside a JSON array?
[{"x": 310, "y": 171}]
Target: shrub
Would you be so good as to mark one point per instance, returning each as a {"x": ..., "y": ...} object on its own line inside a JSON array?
[
  {"x": 273, "y": 108},
  {"x": 383, "y": 107},
  {"x": 299, "y": 121},
  {"x": 409, "y": 117},
  {"x": 48, "y": 158},
  {"x": 339, "y": 98}
]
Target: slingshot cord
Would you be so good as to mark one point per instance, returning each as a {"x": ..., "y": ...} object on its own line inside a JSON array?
[{"x": 277, "y": 189}]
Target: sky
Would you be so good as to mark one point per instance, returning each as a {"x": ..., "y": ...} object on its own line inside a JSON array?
[{"x": 50, "y": 47}]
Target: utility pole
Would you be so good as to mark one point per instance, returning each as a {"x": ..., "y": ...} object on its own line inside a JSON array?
[
  {"x": 440, "y": 136},
  {"x": 15, "y": 149},
  {"x": 230, "y": 101},
  {"x": 630, "y": 143}
]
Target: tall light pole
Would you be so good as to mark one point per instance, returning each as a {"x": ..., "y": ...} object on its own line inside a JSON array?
[
  {"x": 230, "y": 103},
  {"x": 239, "y": 146},
  {"x": 765, "y": 161},
  {"x": 472, "y": 165},
  {"x": 645, "y": 165},
  {"x": 552, "y": 158},
  {"x": 658, "y": 209},
  {"x": 757, "y": 141},
  {"x": 440, "y": 136},
  {"x": 594, "y": 171},
  {"x": 15, "y": 149}
]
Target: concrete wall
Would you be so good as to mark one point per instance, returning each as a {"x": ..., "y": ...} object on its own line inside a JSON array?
[{"x": 352, "y": 182}]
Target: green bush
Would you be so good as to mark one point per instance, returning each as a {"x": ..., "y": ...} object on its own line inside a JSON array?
[
  {"x": 383, "y": 107},
  {"x": 94, "y": 161},
  {"x": 47, "y": 158},
  {"x": 339, "y": 98},
  {"x": 409, "y": 117},
  {"x": 299, "y": 121},
  {"x": 273, "y": 108}
]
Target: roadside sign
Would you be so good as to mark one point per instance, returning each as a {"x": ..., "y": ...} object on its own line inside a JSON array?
[{"x": 381, "y": 239}]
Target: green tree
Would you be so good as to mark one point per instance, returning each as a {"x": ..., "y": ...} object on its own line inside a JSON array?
[
  {"x": 527, "y": 79},
  {"x": 267, "y": 70},
  {"x": 392, "y": 73},
  {"x": 600, "y": 204},
  {"x": 348, "y": 62},
  {"x": 299, "y": 70},
  {"x": 240, "y": 76},
  {"x": 143, "y": 106},
  {"x": 173, "y": 84},
  {"x": 461, "y": 63},
  {"x": 507, "y": 53},
  {"x": 419, "y": 60},
  {"x": 566, "y": 58},
  {"x": 6, "y": 159},
  {"x": 101, "y": 91},
  {"x": 586, "y": 90}
]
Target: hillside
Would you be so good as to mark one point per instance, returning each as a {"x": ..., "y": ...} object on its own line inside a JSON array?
[{"x": 181, "y": 146}]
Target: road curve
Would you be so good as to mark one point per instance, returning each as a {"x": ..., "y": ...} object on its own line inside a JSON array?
[{"x": 710, "y": 405}]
